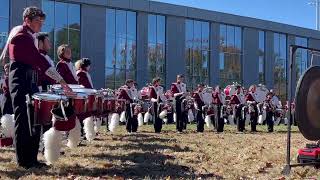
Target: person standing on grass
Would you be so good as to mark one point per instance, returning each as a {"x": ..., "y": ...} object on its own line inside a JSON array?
[
  {"x": 126, "y": 94},
  {"x": 197, "y": 95},
  {"x": 179, "y": 91},
  {"x": 218, "y": 102},
  {"x": 25, "y": 61},
  {"x": 156, "y": 96},
  {"x": 6, "y": 103},
  {"x": 270, "y": 108}
]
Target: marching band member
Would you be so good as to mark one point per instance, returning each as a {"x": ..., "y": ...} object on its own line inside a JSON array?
[
  {"x": 270, "y": 108},
  {"x": 217, "y": 100},
  {"x": 65, "y": 66},
  {"x": 197, "y": 95},
  {"x": 236, "y": 100},
  {"x": 44, "y": 46},
  {"x": 156, "y": 96},
  {"x": 6, "y": 103},
  {"x": 126, "y": 94},
  {"x": 179, "y": 91},
  {"x": 83, "y": 73},
  {"x": 250, "y": 98},
  {"x": 25, "y": 60}
]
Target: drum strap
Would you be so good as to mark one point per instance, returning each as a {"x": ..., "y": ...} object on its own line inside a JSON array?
[
  {"x": 63, "y": 111},
  {"x": 28, "y": 102}
]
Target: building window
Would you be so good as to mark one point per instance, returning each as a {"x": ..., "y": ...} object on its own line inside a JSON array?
[
  {"x": 261, "y": 57},
  {"x": 230, "y": 54},
  {"x": 4, "y": 23},
  {"x": 63, "y": 25},
  {"x": 120, "y": 47},
  {"x": 301, "y": 56},
  {"x": 156, "y": 47},
  {"x": 197, "y": 53},
  {"x": 280, "y": 65}
]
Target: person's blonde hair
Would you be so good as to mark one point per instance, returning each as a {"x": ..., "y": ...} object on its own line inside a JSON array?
[
  {"x": 78, "y": 64},
  {"x": 62, "y": 49}
]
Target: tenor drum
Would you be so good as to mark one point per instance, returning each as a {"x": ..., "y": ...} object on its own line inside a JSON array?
[
  {"x": 91, "y": 102},
  {"x": 79, "y": 103},
  {"x": 72, "y": 86},
  {"x": 43, "y": 104}
]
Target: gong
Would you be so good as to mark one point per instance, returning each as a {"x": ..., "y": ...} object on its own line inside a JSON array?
[{"x": 307, "y": 100}]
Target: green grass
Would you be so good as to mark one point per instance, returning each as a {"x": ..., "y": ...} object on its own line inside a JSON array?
[{"x": 169, "y": 155}]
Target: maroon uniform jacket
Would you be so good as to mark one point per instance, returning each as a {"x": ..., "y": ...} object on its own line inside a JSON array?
[
  {"x": 196, "y": 95},
  {"x": 84, "y": 79},
  {"x": 23, "y": 50},
  {"x": 64, "y": 71},
  {"x": 174, "y": 89},
  {"x": 234, "y": 99},
  {"x": 124, "y": 94},
  {"x": 43, "y": 79},
  {"x": 249, "y": 97},
  {"x": 216, "y": 99},
  {"x": 153, "y": 93}
]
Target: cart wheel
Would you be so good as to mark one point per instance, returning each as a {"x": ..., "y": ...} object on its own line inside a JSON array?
[{"x": 299, "y": 160}]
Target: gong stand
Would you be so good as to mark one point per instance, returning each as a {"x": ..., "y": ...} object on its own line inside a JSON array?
[{"x": 293, "y": 50}]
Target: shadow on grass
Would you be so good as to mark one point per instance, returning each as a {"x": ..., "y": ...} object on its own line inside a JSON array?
[{"x": 134, "y": 165}]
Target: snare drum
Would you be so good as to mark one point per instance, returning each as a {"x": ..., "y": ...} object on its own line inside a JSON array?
[{"x": 43, "y": 104}]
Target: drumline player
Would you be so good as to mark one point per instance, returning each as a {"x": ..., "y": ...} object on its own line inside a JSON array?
[
  {"x": 197, "y": 95},
  {"x": 25, "y": 60},
  {"x": 83, "y": 73},
  {"x": 6, "y": 104},
  {"x": 179, "y": 90},
  {"x": 65, "y": 66},
  {"x": 44, "y": 46},
  {"x": 157, "y": 97},
  {"x": 126, "y": 94}
]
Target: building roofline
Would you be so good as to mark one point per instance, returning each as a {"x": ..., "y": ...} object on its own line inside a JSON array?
[{"x": 150, "y": 6}]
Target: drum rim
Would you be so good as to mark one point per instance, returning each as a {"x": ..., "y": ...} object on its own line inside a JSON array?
[{"x": 61, "y": 97}]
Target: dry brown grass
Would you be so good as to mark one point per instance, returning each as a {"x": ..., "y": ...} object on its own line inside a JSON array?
[{"x": 171, "y": 156}]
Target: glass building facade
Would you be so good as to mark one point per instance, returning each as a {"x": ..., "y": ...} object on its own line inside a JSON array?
[
  {"x": 156, "y": 47},
  {"x": 301, "y": 56},
  {"x": 197, "y": 53},
  {"x": 280, "y": 65},
  {"x": 210, "y": 49},
  {"x": 121, "y": 56},
  {"x": 230, "y": 56},
  {"x": 4, "y": 22},
  {"x": 261, "y": 52},
  {"x": 63, "y": 25}
]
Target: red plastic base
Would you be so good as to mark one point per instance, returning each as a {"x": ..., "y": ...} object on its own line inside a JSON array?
[{"x": 6, "y": 142}]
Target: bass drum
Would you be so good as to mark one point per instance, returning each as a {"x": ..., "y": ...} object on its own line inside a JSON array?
[{"x": 261, "y": 93}]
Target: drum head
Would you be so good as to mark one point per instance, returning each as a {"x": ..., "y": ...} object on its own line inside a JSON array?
[
  {"x": 261, "y": 94},
  {"x": 49, "y": 97},
  {"x": 85, "y": 91},
  {"x": 81, "y": 96},
  {"x": 307, "y": 98},
  {"x": 72, "y": 86}
]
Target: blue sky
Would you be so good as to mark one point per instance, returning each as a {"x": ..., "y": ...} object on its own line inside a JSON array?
[{"x": 293, "y": 12}]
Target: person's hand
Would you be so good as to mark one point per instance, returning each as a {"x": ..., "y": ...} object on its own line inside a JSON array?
[{"x": 66, "y": 89}]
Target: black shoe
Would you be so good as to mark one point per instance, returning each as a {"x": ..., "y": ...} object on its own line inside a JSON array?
[
  {"x": 25, "y": 166},
  {"x": 39, "y": 165}
]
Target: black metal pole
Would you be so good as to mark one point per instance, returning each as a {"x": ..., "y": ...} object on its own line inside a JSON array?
[{"x": 287, "y": 168}]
